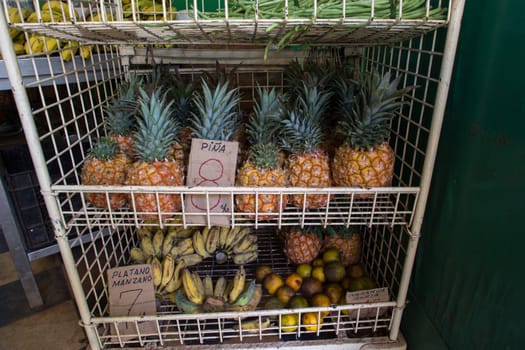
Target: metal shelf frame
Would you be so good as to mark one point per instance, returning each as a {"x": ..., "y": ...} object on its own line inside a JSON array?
[{"x": 73, "y": 119}]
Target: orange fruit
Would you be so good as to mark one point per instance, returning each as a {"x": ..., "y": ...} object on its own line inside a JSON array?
[
  {"x": 321, "y": 299},
  {"x": 331, "y": 254},
  {"x": 334, "y": 291},
  {"x": 318, "y": 262},
  {"x": 309, "y": 321},
  {"x": 334, "y": 271},
  {"x": 284, "y": 294},
  {"x": 294, "y": 281},
  {"x": 355, "y": 271},
  {"x": 289, "y": 322},
  {"x": 345, "y": 283},
  {"x": 261, "y": 272},
  {"x": 272, "y": 282},
  {"x": 298, "y": 302},
  {"x": 318, "y": 273},
  {"x": 304, "y": 270},
  {"x": 311, "y": 286}
]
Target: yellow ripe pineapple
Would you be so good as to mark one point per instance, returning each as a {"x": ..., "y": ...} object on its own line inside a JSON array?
[
  {"x": 365, "y": 159},
  {"x": 154, "y": 138},
  {"x": 308, "y": 165},
  {"x": 105, "y": 165},
  {"x": 263, "y": 169}
]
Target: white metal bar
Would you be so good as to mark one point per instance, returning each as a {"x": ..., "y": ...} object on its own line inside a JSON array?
[{"x": 428, "y": 166}]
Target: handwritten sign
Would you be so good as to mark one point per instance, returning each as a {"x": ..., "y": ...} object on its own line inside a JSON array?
[
  {"x": 367, "y": 296},
  {"x": 131, "y": 293},
  {"x": 211, "y": 163}
]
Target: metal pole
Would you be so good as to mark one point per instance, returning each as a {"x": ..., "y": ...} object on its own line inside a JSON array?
[
  {"x": 430, "y": 157},
  {"x": 31, "y": 134}
]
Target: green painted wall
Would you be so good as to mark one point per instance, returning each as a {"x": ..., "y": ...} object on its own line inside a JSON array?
[{"x": 468, "y": 286}]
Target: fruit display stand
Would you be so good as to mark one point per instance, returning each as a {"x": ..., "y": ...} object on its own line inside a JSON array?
[{"x": 125, "y": 38}]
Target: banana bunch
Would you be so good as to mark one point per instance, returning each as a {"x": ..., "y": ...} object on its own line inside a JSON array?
[
  {"x": 53, "y": 11},
  {"x": 148, "y": 10},
  {"x": 16, "y": 16},
  {"x": 166, "y": 275},
  {"x": 202, "y": 295}
]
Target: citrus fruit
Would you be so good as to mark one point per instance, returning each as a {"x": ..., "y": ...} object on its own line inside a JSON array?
[
  {"x": 294, "y": 281},
  {"x": 318, "y": 273},
  {"x": 309, "y": 321},
  {"x": 289, "y": 322},
  {"x": 284, "y": 294},
  {"x": 345, "y": 283},
  {"x": 355, "y": 271},
  {"x": 361, "y": 283},
  {"x": 318, "y": 262},
  {"x": 311, "y": 286},
  {"x": 331, "y": 254},
  {"x": 261, "y": 272},
  {"x": 321, "y": 299},
  {"x": 272, "y": 282},
  {"x": 304, "y": 270},
  {"x": 334, "y": 291},
  {"x": 334, "y": 271},
  {"x": 298, "y": 302}
]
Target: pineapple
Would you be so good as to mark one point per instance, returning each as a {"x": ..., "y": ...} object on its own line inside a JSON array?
[
  {"x": 302, "y": 246},
  {"x": 365, "y": 159},
  {"x": 154, "y": 138},
  {"x": 216, "y": 113},
  {"x": 263, "y": 165},
  {"x": 105, "y": 165},
  {"x": 348, "y": 243},
  {"x": 308, "y": 165},
  {"x": 120, "y": 115}
]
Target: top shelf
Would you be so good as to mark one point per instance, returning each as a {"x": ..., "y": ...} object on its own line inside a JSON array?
[{"x": 272, "y": 23}]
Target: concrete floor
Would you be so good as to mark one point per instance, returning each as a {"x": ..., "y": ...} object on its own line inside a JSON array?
[{"x": 53, "y": 326}]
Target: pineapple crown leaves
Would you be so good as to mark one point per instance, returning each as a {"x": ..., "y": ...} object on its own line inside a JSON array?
[
  {"x": 120, "y": 116},
  {"x": 367, "y": 125},
  {"x": 157, "y": 131},
  {"x": 302, "y": 131},
  {"x": 216, "y": 112},
  {"x": 128, "y": 90},
  {"x": 340, "y": 230},
  {"x": 104, "y": 149},
  {"x": 264, "y": 123},
  {"x": 265, "y": 155}
]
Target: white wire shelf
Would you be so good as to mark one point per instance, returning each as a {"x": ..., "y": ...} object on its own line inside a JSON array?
[
  {"x": 348, "y": 206},
  {"x": 261, "y": 22}
]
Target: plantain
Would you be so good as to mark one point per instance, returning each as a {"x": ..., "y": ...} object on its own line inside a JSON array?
[
  {"x": 190, "y": 288},
  {"x": 238, "y": 285},
  {"x": 176, "y": 280},
  {"x": 137, "y": 255},
  {"x": 223, "y": 236},
  {"x": 156, "y": 269},
  {"x": 220, "y": 287},
  {"x": 157, "y": 240},
  {"x": 191, "y": 259},
  {"x": 147, "y": 246},
  {"x": 212, "y": 240},
  {"x": 168, "y": 268},
  {"x": 208, "y": 286},
  {"x": 246, "y": 244},
  {"x": 184, "y": 304},
  {"x": 244, "y": 258},
  {"x": 198, "y": 245}
]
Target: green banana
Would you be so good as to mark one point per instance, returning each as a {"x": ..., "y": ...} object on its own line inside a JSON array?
[
  {"x": 246, "y": 295},
  {"x": 184, "y": 304}
]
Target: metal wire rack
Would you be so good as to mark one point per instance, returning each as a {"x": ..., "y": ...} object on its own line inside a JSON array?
[{"x": 61, "y": 103}]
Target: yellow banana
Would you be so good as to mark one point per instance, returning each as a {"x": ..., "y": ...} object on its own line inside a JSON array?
[
  {"x": 19, "y": 48},
  {"x": 184, "y": 247},
  {"x": 190, "y": 288},
  {"x": 212, "y": 240},
  {"x": 205, "y": 231},
  {"x": 69, "y": 51},
  {"x": 208, "y": 286},
  {"x": 233, "y": 232},
  {"x": 33, "y": 45},
  {"x": 198, "y": 283},
  {"x": 239, "y": 237},
  {"x": 156, "y": 269},
  {"x": 238, "y": 285},
  {"x": 184, "y": 304},
  {"x": 157, "y": 240},
  {"x": 167, "y": 244},
  {"x": 220, "y": 287},
  {"x": 223, "y": 236},
  {"x": 137, "y": 255},
  {"x": 144, "y": 231},
  {"x": 244, "y": 258},
  {"x": 191, "y": 259},
  {"x": 147, "y": 246},
  {"x": 85, "y": 51},
  {"x": 168, "y": 268},
  {"x": 254, "y": 325},
  {"x": 247, "y": 244},
  {"x": 176, "y": 280},
  {"x": 50, "y": 44},
  {"x": 198, "y": 245}
]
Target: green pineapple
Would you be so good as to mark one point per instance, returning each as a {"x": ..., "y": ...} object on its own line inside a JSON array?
[
  {"x": 308, "y": 165},
  {"x": 365, "y": 159},
  {"x": 155, "y": 136},
  {"x": 263, "y": 167}
]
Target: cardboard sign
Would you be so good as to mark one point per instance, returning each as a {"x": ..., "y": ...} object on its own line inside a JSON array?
[
  {"x": 367, "y": 296},
  {"x": 211, "y": 163},
  {"x": 131, "y": 293}
]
